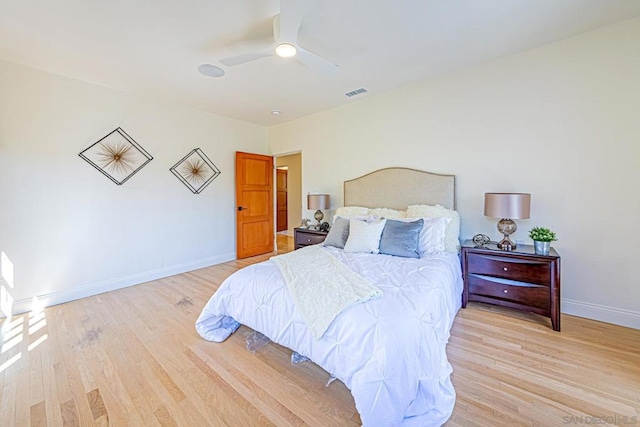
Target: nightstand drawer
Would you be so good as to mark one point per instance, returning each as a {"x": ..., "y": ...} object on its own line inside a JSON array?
[
  {"x": 522, "y": 270},
  {"x": 303, "y": 238},
  {"x": 518, "y": 292}
]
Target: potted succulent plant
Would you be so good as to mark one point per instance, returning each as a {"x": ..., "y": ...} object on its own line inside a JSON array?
[{"x": 542, "y": 238}]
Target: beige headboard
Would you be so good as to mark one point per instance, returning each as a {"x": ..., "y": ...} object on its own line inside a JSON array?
[{"x": 397, "y": 188}]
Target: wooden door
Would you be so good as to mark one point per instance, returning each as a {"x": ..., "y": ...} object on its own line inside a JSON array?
[
  {"x": 254, "y": 204},
  {"x": 281, "y": 197}
]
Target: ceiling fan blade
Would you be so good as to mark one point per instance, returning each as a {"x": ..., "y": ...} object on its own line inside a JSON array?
[
  {"x": 316, "y": 63},
  {"x": 291, "y": 13},
  {"x": 232, "y": 61}
]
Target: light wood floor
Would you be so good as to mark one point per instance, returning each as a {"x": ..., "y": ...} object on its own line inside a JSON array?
[{"x": 132, "y": 357}]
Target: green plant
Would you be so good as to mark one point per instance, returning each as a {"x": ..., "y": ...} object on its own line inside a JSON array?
[{"x": 542, "y": 234}]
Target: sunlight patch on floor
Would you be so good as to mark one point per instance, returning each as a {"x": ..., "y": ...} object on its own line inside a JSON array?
[
  {"x": 9, "y": 344},
  {"x": 13, "y": 323},
  {"x": 35, "y": 318},
  {"x": 37, "y": 326},
  {"x": 37, "y": 342},
  {"x": 10, "y": 333},
  {"x": 10, "y": 362}
]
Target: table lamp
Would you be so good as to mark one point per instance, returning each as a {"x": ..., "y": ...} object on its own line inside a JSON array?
[
  {"x": 507, "y": 206},
  {"x": 319, "y": 202}
]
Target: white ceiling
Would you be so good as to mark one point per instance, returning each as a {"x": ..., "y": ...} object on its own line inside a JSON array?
[{"x": 154, "y": 47}]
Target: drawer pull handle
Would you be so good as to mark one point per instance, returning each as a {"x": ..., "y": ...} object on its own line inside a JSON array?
[
  {"x": 504, "y": 268},
  {"x": 506, "y": 291}
]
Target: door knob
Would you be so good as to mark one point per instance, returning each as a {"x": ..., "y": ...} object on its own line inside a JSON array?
[{"x": 241, "y": 208}]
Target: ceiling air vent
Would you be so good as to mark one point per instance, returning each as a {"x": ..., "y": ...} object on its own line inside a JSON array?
[{"x": 356, "y": 92}]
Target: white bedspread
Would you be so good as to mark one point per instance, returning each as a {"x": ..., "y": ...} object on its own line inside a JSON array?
[
  {"x": 322, "y": 286},
  {"x": 389, "y": 351}
]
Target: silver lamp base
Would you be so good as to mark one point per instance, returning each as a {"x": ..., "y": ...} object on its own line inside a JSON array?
[
  {"x": 319, "y": 216},
  {"x": 506, "y": 227}
]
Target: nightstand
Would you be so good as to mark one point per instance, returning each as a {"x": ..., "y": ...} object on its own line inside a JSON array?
[
  {"x": 308, "y": 236},
  {"x": 518, "y": 279}
]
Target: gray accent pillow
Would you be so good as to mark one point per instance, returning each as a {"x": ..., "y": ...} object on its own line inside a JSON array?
[
  {"x": 401, "y": 238},
  {"x": 338, "y": 233}
]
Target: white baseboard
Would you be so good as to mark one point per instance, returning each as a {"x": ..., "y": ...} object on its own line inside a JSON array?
[
  {"x": 602, "y": 313},
  {"x": 54, "y": 298}
]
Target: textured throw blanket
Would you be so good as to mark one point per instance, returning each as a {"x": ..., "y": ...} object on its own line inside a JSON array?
[{"x": 321, "y": 286}]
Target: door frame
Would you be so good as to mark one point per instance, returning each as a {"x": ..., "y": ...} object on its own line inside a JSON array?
[
  {"x": 275, "y": 196},
  {"x": 276, "y": 182}
]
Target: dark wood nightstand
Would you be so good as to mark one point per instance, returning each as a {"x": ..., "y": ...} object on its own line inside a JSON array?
[
  {"x": 308, "y": 236},
  {"x": 518, "y": 279}
]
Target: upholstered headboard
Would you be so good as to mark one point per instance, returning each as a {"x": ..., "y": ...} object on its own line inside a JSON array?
[{"x": 397, "y": 188}]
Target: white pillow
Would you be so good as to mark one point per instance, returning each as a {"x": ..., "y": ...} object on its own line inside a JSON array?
[
  {"x": 348, "y": 211},
  {"x": 452, "y": 232},
  {"x": 432, "y": 235},
  {"x": 364, "y": 236},
  {"x": 388, "y": 213},
  {"x": 365, "y": 218}
]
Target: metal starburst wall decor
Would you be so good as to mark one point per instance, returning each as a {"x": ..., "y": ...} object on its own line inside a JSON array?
[
  {"x": 117, "y": 156},
  {"x": 195, "y": 171}
]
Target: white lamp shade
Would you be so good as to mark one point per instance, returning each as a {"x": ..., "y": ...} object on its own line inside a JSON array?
[
  {"x": 317, "y": 201},
  {"x": 507, "y": 205}
]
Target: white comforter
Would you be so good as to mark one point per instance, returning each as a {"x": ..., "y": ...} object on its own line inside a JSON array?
[{"x": 390, "y": 352}]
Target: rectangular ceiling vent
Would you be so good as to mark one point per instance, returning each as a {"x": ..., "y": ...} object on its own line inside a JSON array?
[{"x": 356, "y": 92}]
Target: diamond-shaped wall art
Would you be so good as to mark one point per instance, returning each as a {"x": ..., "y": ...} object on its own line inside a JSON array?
[
  {"x": 195, "y": 170},
  {"x": 117, "y": 156}
]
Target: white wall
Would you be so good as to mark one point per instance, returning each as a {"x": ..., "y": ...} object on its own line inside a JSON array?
[
  {"x": 69, "y": 231},
  {"x": 561, "y": 122}
]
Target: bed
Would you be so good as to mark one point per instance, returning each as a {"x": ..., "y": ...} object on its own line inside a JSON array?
[{"x": 389, "y": 351}]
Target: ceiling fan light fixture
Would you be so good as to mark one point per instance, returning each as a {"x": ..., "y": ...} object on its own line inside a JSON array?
[{"x": 286, "y": 50}]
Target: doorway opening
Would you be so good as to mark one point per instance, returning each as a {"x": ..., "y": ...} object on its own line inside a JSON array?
[
  {"x": 281, "y": 199},
  {"x": 289, "y": 193}
]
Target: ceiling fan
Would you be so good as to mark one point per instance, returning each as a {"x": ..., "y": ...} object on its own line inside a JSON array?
[{"x": 285, "y": 33}]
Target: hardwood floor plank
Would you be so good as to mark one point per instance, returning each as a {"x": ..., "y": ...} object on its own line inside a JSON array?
[
  {"x": 175, "y": 363},
  {"x": 97, "y": 404},
  {"x": 187, "y": 412},
  {"x": 242, "y": 364},
  {"x": 248, "y": 397},
  {"x": 10, "y": 366},
  {"x": 125, "y": 354},
  {"x": 336, "y": 396},
  {"x": 164, "y": 417},
  {"x": 168, "y": 383},
  {"x": 148, "y": 351},
  {"x": 72, "y": 362},
  {"x": 22, "y": 367},
  {"x": 133, "y": 357},
  {"x": 561, "y": 370},
  {"x": 69, "y": 414},
  {"x": 107, "y": 374},
  {"x": 38, "y": 415},
  {"x": 50, "y": 389},
  {"x": 36, "y": 384}
]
